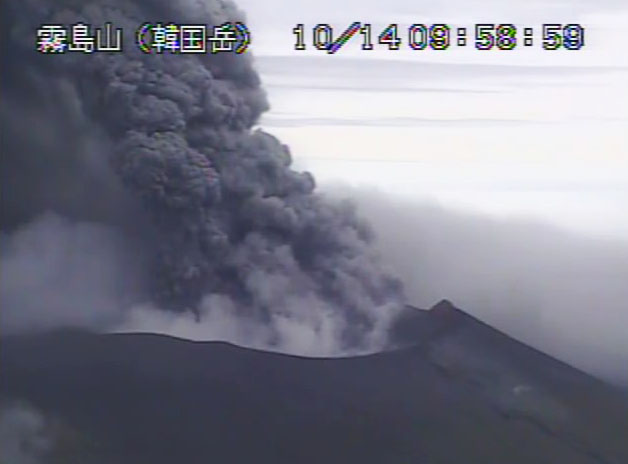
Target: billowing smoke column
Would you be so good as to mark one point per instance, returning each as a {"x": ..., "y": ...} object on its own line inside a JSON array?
[{"x": 160, "y": 149}]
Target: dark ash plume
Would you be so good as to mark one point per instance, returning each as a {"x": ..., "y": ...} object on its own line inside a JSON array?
[{"x": 162, "y": 147}]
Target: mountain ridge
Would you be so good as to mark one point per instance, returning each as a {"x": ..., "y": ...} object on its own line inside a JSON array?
[{"x": 141, "y": 398}]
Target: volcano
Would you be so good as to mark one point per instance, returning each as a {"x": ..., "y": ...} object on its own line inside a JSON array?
[{"x": 454, "y": 390}]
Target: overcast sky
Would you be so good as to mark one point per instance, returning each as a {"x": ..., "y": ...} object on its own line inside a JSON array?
[{"x": 524, "y": 132}]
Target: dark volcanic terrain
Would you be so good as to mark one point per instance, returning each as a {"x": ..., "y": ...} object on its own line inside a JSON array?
[{"x": 457, "y": 392}]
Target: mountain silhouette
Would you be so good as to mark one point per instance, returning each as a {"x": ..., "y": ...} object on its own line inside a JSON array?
[{"x": 454, "y": 390}]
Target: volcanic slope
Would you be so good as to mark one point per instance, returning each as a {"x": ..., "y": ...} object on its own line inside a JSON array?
[{"x": 458, "y": 391}]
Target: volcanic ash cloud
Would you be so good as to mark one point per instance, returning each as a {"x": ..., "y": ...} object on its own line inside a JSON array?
[{"x": 159, "y": 149}]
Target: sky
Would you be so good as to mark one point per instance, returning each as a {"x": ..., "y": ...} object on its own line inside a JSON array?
[{"x": 523, "y": 133}]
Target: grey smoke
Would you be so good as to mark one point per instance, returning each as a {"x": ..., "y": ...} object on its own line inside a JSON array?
[
  {"x": 57, "y": 272},
  {"x": 563, "y": 293},
  {"x": 130, "y": 148},
  {"x": 24, "y": 437}
]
